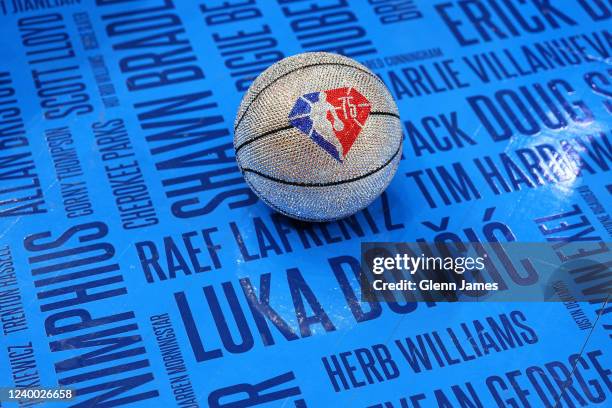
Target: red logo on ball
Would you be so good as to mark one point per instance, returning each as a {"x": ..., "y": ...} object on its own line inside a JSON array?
[{"x": 332, "y": 118}]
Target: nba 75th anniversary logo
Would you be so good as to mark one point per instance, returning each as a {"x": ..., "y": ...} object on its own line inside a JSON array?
[{"x": 333, "y": 119}]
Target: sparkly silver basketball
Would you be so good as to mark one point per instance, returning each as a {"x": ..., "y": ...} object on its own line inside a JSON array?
[{"x": 318, "y": 136}]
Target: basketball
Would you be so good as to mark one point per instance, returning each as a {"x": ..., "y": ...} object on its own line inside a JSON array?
[{"x": 318, "y": 136}]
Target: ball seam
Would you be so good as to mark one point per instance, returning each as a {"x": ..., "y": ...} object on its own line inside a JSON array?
[
  {"x": 288, "y": 127},
  {"x": 331, "y": 183}
]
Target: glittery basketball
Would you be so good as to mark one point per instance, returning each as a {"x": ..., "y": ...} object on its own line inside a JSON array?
[{"x": 318, "y": 136}]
